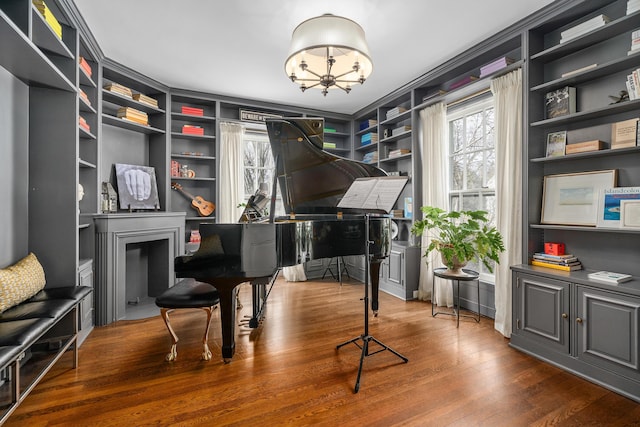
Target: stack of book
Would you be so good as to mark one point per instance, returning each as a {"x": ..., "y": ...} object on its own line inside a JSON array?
[
  {"x": 633, "y": 6},
  {"x": 119, "y": 89},
  {"x": 193, "y": 130},
  {"x": 633, "y": 84},
  {"x": 635, "y": 41},
  {"x": 83, "y": 124},
  {"x": 84, "y": 97},
  {"x": 396, "y": 111},
  {"x": 494, "y": 66},
  {"x": 84, "y": 65},
  {"x": 371, "y": 157},
  {"x": 328, "y": 145},
  {"x": 133, "y": 115},
  {"x": 175, "y": 168},
  {"x": 584, "y": 28},
  {"x": 369, "y": 138},
  {"x": 462, "y": 82},
  {"x": 398, "y": 213},
  {"x": 329, "y": 130},
  {"x": 48, "y": 17},
  {"x": 609, "y": 277},
  {"x": 193, "y": 111},
  {"x": 432, "y": 95},
  {"x": 144, "y": 99},
  {"x": 560, "y": 102},
  {"x": 398, "y": 152},
  {"x": 565, "y": 262},
  {"x": 400, "y": 129},
  {"x": 366, "y": 124}
]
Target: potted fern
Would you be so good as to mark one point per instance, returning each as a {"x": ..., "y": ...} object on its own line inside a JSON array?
[{"x": 459, "y": 237}]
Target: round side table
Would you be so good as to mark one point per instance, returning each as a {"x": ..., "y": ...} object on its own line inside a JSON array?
[{"x": 468, "y": 276}]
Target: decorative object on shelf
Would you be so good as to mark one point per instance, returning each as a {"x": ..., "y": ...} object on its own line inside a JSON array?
[
  {"x": 560, "y": 102},
  {"x": 175, "y": 169},
  {"x": 622, "y": 97},
  {"x": 459, "y": 237},
  {"x": 554, "y": 248},
  {"x": 328, "y": 52},
  {"x": 630, "y": 214},
  {"x": 109, "y": 198},
  {"x": 572, "y": 198},
  {"x": 204, "y": 207},
  {"x": 609, "y": 277},
  {"x": 137, "y": 187},
  {"x": 584, "y": 147},
  {"x": 609, "y": 204},
  {"x": 195, "y": 236},
  {"x": 584, "y": 27},
  {"x": 624, "y": 134},
  {"x": 556, "y": 142}
]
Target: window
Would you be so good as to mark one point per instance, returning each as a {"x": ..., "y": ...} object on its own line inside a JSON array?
[
  {"x": 472, "y": 161},
  {"x": 258, "y": 164}
]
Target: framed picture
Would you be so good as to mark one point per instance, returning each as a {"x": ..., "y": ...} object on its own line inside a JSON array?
[
  {"x": 556, "y": 142},
  {"x": 630, "y": 214},
  {"x": 137, "y": 187},
  {"x": 572, "y": 198},
  {"x": 609, "y": 205}
]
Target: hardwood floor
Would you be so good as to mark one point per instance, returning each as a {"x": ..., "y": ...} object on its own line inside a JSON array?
[{"x": 288, "y": 372}]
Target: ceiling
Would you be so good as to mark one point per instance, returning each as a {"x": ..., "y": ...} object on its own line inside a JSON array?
[{"x": 238, "y": 48}]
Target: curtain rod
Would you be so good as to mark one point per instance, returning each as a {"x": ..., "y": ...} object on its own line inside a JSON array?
[{"x": 468, "y": 97}]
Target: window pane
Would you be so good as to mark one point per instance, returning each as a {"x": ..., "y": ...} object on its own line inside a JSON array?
[
  {"x": 489, "y": 128},
  {"x": 249, "y": 153},
  {"x": 264, "y": 157},
  {"x": 457, "y": 173},
  {"x": 454, "y": 202},
  {"x": 471, "y": 202},
  {"x": 475, "y": 131},
  {"x": 457, "y": 136},
  {"x": 249, "y": 181},
  {"x": 265, "y": 176},
  {"x": 490, "y": 168},
  {"x": 474, "y": 170},
  {"x": 489, "y": 205}
]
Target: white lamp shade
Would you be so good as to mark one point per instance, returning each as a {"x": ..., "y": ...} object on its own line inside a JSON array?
[{"x": 343, "y": 37}]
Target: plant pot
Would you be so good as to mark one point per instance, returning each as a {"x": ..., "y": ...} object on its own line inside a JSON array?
[{"x": 456, "y": 268}]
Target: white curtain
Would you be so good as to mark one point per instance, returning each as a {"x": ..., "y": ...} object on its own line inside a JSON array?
[
  {"x": 231, "y": 174},
  {"x": 435, "y": 163},
  {"x": 507, "y": 92}
]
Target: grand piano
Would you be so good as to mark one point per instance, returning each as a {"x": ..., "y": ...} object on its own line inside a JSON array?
[{"x": 312, "y": 182}]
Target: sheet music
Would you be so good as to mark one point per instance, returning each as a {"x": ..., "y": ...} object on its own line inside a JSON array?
[{"x": 377, "y": 194}]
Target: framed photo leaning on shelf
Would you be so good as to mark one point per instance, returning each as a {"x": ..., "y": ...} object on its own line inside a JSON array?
[
  {"x": 609, "y": 205},
  {"x": 572, "y": 198},
  {"x": 556, "y": 142}
]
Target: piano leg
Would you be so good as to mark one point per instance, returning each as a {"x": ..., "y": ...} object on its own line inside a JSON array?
[
  {"x": 374, "y": 269},
  {"x": 227, "y": 291}
]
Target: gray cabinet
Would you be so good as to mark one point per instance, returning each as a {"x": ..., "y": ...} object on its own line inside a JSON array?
[
  {"x": 399, "y": 272},
  {"x": 584, "y": 327},
  {"x": 85, "y": 315}
]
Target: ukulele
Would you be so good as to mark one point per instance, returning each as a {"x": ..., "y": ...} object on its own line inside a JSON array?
[{"x": 204, "y": 207}]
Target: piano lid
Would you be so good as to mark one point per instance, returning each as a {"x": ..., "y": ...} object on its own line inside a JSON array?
[{"x": 311, "y": 180}]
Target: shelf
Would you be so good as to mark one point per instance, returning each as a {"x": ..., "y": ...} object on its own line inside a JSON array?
[
  {"x": 591, "y": 114},
  {"x": 393, "y": 159},
  {"x": 584, "y": 228},
  {"x": 614, "y": 28},
  {"x": 628, "y": 62},
  {"x": 200, "y": 218},
  {"x": 404, "y": 134},
  {"x": 84, "y": 226},
  {"x": 45, "y": 38},
  {"x": 337, "y": 134},
  {"x": 124, "y": 101},
  {"x": 85, "y": 164},
  {"x": 86, "y": 107},
  {"x": 24, "y": 60},
  {"x": 399, "y": 118},
  {"x": 84, "y": 134},
  {"x": 590, "y": 154},
  {"x": 367, "y": 147},
  {"x": 191, "y": 118},
  {"x": 191, "y": 156},
  {"x": 191, "y": 179},
  {"x": 85, "y": 79},
  {"x": 122, "y": 123},
  {"x": 337, "y": 150},
  {"x": 367, "y": 130},
  {"x": 194, "y": 137}
]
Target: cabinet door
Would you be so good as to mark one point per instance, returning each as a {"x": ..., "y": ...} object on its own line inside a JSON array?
[
  {"x": 542, "y": 312},
  {"x": 85, "y": 278},
  {"x": 607, "y": 329},
  {"x": 396, "y": 266}
]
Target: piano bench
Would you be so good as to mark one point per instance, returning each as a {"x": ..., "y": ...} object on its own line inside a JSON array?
[{"x": 188, "y": 293}]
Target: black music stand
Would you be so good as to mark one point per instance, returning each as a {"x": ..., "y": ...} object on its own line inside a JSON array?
[{"x": 374, "y": 195}]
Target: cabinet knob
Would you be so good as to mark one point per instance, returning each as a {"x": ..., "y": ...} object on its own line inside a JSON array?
[
  {"x": 565, "y": 315},
  {"x": 579, "y": 320}
]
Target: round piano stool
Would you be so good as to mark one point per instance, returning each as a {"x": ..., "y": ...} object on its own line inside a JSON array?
[{"x": 188, "y": 293}]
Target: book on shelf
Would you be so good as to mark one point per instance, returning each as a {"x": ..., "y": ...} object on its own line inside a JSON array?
[
  {"x": 609, "y": 277},
  {"x": 371, "y": 157},
  {"x": 463, "y": 81},
  {"x": 584, "y": 27},
  {"x": 579, "y": 70},
  {"x": 366, "y": 124},
  {"x": 329, "y": 130},
  {"x": 119, "y": 89},
  {"x": 560, "y": 102},
  {"x": 328, "y": 145},
  {"x": 399, "y": 152},
  {"x": 584, "y": 147},
  {"x": 554, "y": 259},
  {"x": 133, "y": 115},
  {"x": 85, "y": 65},
  {"x": 633, "y": 84},
  {"x": 400, "y": 129},
  {"x": 624, "y": 134},
  {"x": 398, "y": 213},
  {"x": 49, "y": 17},
  {"x": 556, "y": 142},
  {"x": 193, "y": 111},
  {"x": 495, "y": 65},
  {"x": 84, "y": 97},
  {"x": 633, "y": 6},
  {"x": 83, "y": 124},
  {"x": 435, "y": 94},
  {"x": 408, "y": 207},
  {"x": 145, "y": 99},
  {"x": 610, "y": 200},
  {"x": 369, "y": 138},
  {"x": 556, "y": 266},
  {"x": 175, "y": 168},
  {"x": 193, "y": 130},
  {"x": 396, "y": 111}
]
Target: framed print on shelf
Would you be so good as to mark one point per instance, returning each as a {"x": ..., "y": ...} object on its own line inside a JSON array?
[
  {"x": 556, "y": 143},
  {"x": 609, "y": 205},
  {"x": 630, "y": 214},
  {"x": 572, "y": 198}
]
